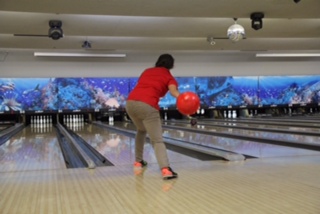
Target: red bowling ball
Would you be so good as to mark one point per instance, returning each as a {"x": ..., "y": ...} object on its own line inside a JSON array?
[{"x": 188, "y": 103}]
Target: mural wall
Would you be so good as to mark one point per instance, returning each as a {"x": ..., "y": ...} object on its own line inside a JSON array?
[{"x": 92, "y": 94}]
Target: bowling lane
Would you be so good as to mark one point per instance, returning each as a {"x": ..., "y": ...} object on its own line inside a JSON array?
[
  {"x": 268, "y": 135},
  {"x": 118, "y": 148},
  {"x": 3, "y": 127},
  {"x": 33, "y": 148},
  {"x": 250, "y": 148},
  {"x": 259, "y": 125},
  {"x": 300, "y": 119},
  {"x": 3, "y": 130},
  {"x": 266, "y": 122}
]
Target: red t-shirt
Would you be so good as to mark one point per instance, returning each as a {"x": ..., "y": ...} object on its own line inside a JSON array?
[{"x": 152, "y": 85}]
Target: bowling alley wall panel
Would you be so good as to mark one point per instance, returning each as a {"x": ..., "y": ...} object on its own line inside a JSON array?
[{"x": 92, "y": 94}]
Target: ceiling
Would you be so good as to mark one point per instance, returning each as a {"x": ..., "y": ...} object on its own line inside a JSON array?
[{"x": 154, "y": 25}]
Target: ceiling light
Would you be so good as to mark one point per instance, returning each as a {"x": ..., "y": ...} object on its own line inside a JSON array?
[
  {"x": 53, "y": 54},
  {"x": 235, "y": 32},
  {"x": 256, "y": 20},
  {"x": 288, "y": 55},
  {"x": 211, "y": 41},
  {"x": 55, "y": 31}
]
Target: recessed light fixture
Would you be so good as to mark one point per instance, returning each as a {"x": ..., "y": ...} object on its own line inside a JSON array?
[
  {"x": 288, "y": 55},
  {"x": 55, "y": 54}
]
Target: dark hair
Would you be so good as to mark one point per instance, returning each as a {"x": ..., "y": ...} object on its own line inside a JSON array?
[{"x": 165, "y": 60}]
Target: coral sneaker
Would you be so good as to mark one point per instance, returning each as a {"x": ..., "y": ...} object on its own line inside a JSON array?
[
  {"x": 168, "y": 173},
  {"x": 140, "y": 165}
]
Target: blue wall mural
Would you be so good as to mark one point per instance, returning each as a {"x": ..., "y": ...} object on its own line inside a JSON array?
[
  {"x": 92, "y": 93},
  {"x": 34, "y": 94},
  {"x": 63, "y": 94},
  {"x": 289, "y": 90},
  {"x": 227, "y": 91}
]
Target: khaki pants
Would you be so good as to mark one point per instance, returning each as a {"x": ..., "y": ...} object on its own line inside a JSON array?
[{"x": 147, "y": 121}]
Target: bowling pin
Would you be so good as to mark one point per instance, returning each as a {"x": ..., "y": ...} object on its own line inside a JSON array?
[
  {"x": 225, "y": 114},
  {"x": 202, "y": 111},
  {"x": 234, "y": 114},
  {"x": 229, "y": 114},
  {"x": 165, "y": 116}
]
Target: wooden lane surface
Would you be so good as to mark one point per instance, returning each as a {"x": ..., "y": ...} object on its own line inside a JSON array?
[
  {"x": 31, "y": 149},
  {"x": 260, "y": 186}
]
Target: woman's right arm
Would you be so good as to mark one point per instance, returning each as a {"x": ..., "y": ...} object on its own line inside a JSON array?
[{"x": 174, "y": 90}]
